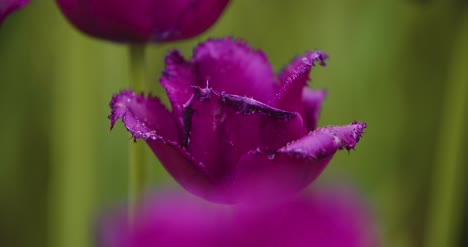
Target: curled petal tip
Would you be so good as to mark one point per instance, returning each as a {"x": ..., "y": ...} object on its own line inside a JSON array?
[
  {"x": 117, "y": 106},
  {"x": 319, "y": 56},
  {"x": 144, "y": 116},
  {"x": 358, "y": 130},
  {"x": 324, "y": 142}
]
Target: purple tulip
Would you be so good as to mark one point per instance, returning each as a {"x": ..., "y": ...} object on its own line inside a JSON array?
[
  {"x": 8, "y": 6},
  {"x": 331, "y": 217},
  {"x": 142, "y": 20},
  {"x": 235, "y": 131}
]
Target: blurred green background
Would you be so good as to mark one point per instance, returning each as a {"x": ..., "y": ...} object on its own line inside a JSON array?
[{"x": 399, "y": 65}]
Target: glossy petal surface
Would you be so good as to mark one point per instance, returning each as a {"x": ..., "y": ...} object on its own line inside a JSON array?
[
  {"x": 332, "y": 217},
  {"x": 142, "y": 20},
  {"x": 8, "y": 6}
]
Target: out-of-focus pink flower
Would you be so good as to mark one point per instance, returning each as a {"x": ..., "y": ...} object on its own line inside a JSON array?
[
  {"x": 327, "y": 217},
  {"x": 236, "y": 132},
  {"x": 142, "y": 21},
  {"x": 8, "y": 6}
]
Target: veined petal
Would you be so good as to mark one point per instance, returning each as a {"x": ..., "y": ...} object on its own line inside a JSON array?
[
  {"x": 178, "y": 77},
  {"x": 312, "y": 100},
  {"x": 220, "y": 128},
  {"x": 293, "y": 79},
  {"x": 144, "y": 117},
  {"x": 295, "y": 165},
  {"x": 234, "y": 67}
]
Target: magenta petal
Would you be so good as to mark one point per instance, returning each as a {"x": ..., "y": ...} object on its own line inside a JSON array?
[
  {"x": 144, "y": 117},
  {"x": 234, "y": 67},
  {"x": 294, "y": 166},
  {"x": 266, "y": 177},
  {"x": 195, "y": 17},
  {"x": 142, "y": 20},
  {"x": 8, "y": 6},
  {"x": 324, "y": 142},
  {"x": 178, "y": 77},
  {"x": 220, "y": 128},
  {"x": 172, "y": 219},
  {"x": 329, "y": 217},
  {"x": 294, "y": 78},
  {"x": 312, "y": 100},
  {"x": 187, "y": 171}
]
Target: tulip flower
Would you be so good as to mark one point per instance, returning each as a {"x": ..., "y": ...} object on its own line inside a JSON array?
[
  {"x": 236, "y": 132},
  {"x": 331, "y": 217},
  {"x": 140, "y": 21},
  {"x": 8, "y": 6}
]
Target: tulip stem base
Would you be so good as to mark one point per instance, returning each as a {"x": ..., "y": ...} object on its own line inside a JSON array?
[{"x": 137, "y": 164}]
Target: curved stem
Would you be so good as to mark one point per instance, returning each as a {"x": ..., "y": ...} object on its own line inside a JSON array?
[{"x": 137, "y": 166}]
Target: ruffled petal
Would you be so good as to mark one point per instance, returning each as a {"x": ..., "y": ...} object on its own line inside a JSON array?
[
  {"x": 324, "y": 142},
  {"x": 220, "y": 128},
  {"x": 234, "y": 67},
  {"x": 144, "y": 117},
  {"x": 312, "y": 100},
  {"x": 177, "y": 79},
  {"x": 293, "y": 79},
  {"x": 294, "y": 166}
]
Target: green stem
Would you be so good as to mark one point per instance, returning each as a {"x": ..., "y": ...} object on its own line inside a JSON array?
[
  {"x": 446, "y": 209},
  {"x": 137, "y": 168}
]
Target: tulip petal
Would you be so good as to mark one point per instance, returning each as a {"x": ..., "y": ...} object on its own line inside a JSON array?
[
  {"x": 312, "y": 100},
  {"x": 220, "y": 128},
  {"x": 295, "y": 165},
  {"x": 189, "y": 17},
  {"x": 293, "y": 79},
  {"x": 8, "y": 6},
  {"x": 142, "y": 21},
  {"x": 234, "y": 67},
  {"x": 178, "y": 77},
  {"x": 144, "y": 117},
  {"x": 182, "y": 166},
  {"x": 325, "y": 216}
]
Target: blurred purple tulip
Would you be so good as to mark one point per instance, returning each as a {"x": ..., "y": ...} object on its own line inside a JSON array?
[
  {"x": 142, "y": 21},
  {"x": 331, "y": 217},
  {"x": 8, "y": 6},
  {"x": 235, "y": 131}
]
